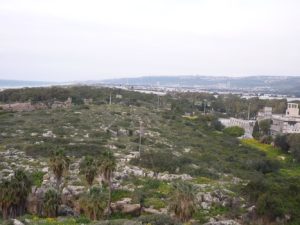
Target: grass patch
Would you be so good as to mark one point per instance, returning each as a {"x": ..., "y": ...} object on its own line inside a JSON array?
[
  {"x": 271, "y": 151},
  {"x": 34, "y": 220},
  {"x": 120, "y": 194},
  {"x": 203, "y": 180},
  {"x": 190, "y": 117},
  {"x": 156, "y": 203}
]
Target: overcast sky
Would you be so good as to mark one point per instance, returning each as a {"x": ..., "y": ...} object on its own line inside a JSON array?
[{"x": 98, "y": 39}]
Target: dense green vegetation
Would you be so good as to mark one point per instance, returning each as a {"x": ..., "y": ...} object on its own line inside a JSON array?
[
  {"x": 289, "y": 143},
  {"x": 261, "y": 131},
  {"x": 166, "y": 140},
  {"x": 227, "y": 105},
  {"x": 276, "y": 194}
]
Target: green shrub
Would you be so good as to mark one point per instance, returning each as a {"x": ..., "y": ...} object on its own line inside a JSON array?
[
  {"x": 119, "y": 194},
  {"x": 51, "y": 202},
  {"x": 281, "y": 141},
  {"x": 82, "y": 220},
  {"x": 294, "y": 143},
  {"x": 94, "y": 203},
  {"x": 216, "y": 124},
  {"x": 37, "y": 178},
  {"x": 157, "y": 220},
  {"x": 266, "y": 166},
  {"x": 275, "y": 196},
  {"x": 234, "y": 131}
]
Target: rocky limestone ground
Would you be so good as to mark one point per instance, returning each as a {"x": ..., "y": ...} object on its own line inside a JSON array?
[
  {"x": 213, "y": 195},
  {"x": 116, "y": 222},
  {"x": 210, "y": 195},
  {"x": 13, "y": 159}
]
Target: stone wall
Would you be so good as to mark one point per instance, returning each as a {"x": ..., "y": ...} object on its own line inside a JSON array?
[
  {"x": 62, "y": 105},
  {"x": 28, "y": 106},
  {"x": 247, "y": 125},
  {"x": 23, "y": 106}
]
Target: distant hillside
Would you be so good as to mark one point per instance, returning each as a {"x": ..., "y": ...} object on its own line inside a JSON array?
[
  {"x": 267, "y": 84},
  {"x": 282, "y": 84}
]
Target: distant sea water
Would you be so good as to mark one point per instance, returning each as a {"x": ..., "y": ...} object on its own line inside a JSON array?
[
  {"x": 7, "y": 84},
  {"x": 20, "y": 84}
]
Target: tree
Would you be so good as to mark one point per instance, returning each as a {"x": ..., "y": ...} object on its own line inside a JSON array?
[
  {"x": 264, "y": 126},
  {"x": 94, "y": 203},
  {"x": 13, "y": 194},
  {"x": 51, "y": 202},
  {"x": 183, "y": 200},
  {"x": 59, "y": 164},
  {"x": 294, "y": 143},
  {"x": 216, "y": 124},
  {"x": 107, "y": 167},
  {"x": 255, "y": 132},
  {"x": 281, "y": 142},
  {"x": 6, "y": 198},
  {"x": 21, "y": 184},
  {"x": 89, "y": 168}
]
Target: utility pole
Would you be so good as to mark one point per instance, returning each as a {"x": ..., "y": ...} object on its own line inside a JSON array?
[
  {"x": 204, "y": 107},
  {"x": 249, "y": 111},
  {"x": 158, "y": 102},
  {"x": 140, "y": 137},
  {"x": 110, "y": 98}
]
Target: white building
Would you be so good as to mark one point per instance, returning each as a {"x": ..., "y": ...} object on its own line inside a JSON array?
[
  {"x": 287, "y": 123},
  {"x": 247, "y": 125},
  {"x": 266, "y": 113}
]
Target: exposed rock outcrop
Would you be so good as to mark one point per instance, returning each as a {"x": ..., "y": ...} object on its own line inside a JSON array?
[
  {"x": 223, "y": 222},
  {"x": 125, "y": 206},
  {"x": 17, "y": 222}
]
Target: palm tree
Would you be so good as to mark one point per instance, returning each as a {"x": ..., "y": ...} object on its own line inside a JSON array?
[
  {"x": 21, "y": 184},
  {"x": 7, "y": 198},
  {"x": 107, "y": 167},
  {"x": 183, "y": 200},
  {"x": 94, "y": 203},
  {"x": 89, "y": 168},
  {"x": 59, "y": 164},
  {"x": 13, "y": 194},
  {"x": 50, "y": 203}
]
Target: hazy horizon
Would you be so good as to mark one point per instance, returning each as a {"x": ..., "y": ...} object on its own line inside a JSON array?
[
  {"x": 94, "y": 40},
  {"x": 132, "y": 77}
]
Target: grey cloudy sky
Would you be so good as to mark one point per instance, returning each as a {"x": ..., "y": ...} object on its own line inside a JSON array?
[{"x": 98, "y": 39}]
